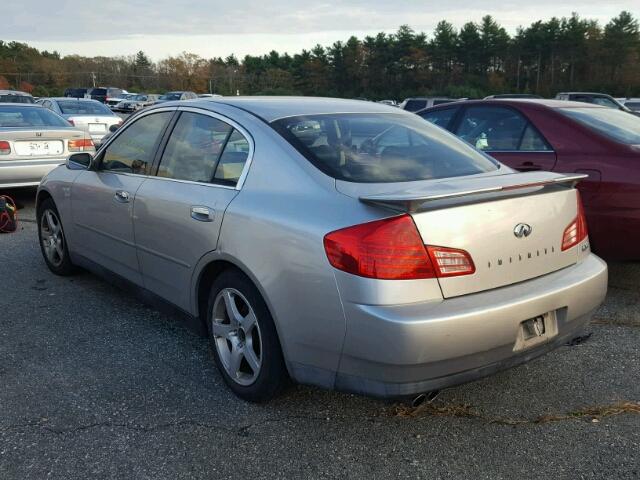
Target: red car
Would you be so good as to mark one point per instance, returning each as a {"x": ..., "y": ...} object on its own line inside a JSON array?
[{"x": 565, "y": 137}]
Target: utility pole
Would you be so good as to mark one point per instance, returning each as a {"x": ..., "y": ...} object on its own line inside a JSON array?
[{"x": 93, "y": 78}]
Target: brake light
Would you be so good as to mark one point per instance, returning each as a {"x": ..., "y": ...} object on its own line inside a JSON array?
[
  {"x": 80, "y": 145},
  {"x": 576, "y": 231},
  {"x": 392, "y": 249},
  {"x": 451, "y": 262},
  {"x": 5, "y": 148}
]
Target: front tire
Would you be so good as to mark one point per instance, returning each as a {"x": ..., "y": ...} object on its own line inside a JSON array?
[
  {"x": 53, "y": 243},
  {"x": 243, "y": 339}
]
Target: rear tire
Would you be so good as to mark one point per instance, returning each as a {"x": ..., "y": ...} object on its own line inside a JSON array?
[
  {"x": 243, "y": 339},
  {"x": 53, "y": 243}
]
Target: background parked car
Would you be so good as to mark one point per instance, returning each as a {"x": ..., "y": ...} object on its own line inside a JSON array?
[
  {"x": 596, "y": 98},
  {"x": 34, "y": 140},
  {"x": 418, "y": 103},
  {"x": 208, "y": 95},
  {"x": 178, "y": 95},
  {"x": 15, "y": 96},
  {"x": 133, "y": 103},
  {"x": 568, "y": 137},
  {"x": 89, "y": 115},
  {"x": 113, "y": 101},
  {"x": 76, "y": 92},
  {"x": 632, "y": 104},
  {"x": 102, "y": 94}
]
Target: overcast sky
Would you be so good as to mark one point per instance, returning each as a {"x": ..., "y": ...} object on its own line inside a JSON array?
[{"x": 219, "y": 28}]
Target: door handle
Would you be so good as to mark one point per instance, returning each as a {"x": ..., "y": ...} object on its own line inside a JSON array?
[
  {"x": 202, "y": 214},
  {"x": 528, "y": 167},
  {"x": 121, "y": 196}
]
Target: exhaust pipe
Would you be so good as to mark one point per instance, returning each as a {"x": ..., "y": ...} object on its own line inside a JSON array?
[{"x": 427, "y": 397}]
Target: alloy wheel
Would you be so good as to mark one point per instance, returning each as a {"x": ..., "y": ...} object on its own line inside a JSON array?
[
  {"x": 236, "y": 335},
  {"x": 51, "y": 237}
]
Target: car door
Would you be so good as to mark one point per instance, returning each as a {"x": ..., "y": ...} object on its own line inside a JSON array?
[
  {"x": 178, "y": 212},
  {"x": 507, "y": 135},
  {"x": 102, "y": 199}
]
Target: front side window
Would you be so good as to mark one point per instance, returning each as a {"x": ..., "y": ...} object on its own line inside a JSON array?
[
  {"x": 133, "y": 149},
  {"x": 615, "y": 124},
  {"x": 194, "y": 148},
  {"x": 492, "y": 128},
  {"x": 442, "y": 118},
  {"x": 381, "y": 147}
]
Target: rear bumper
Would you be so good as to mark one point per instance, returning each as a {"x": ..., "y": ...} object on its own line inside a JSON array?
[
  {"x": 26, "y": 173},
  {"x": 407, "y": 349}
]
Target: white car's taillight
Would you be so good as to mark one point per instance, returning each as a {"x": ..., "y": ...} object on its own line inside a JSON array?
[{"x": 5, "y": 148}]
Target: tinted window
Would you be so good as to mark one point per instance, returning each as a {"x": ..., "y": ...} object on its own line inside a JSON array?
[
  {"x": 415, "y": 105},
  {"x": 194, "y": 148},
  {"x": 233, "y": 158},
  {"x": 615, "y": 124},
  {"x": 635, "y": 106},
  {"x": 98, "y": 91},
  {"x": 380, "y": 147},
  {"x": 441, "y": 101},
  {"x": 17, "y": 116},
  {"x": 533, "y": 141},
  {"x": 71, "y": 107},
  {"x": 133, "y": 149},
  {"x": 442, "y": 118},
  {"x": 492, "y": 128},
  {"x": 170, "y": 96}
]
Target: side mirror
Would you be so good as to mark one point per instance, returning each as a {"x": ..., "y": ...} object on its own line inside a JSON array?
[
  {"x": 114, "y": 127},
  {"x": 79, "y": 161}
]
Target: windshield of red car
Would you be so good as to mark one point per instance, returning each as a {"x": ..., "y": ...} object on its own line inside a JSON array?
[{"x": 615, "y": 124}]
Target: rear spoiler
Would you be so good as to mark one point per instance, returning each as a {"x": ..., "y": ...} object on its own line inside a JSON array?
[{"x": 415, "y": 200}]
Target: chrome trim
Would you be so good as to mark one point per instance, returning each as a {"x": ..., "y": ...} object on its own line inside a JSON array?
[
  {"x": 518, "y": 151},
  {"x": 217, "y": 185}
]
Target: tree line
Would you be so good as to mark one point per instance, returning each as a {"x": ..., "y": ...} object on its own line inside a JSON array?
[{"x": 476, "y": 60}]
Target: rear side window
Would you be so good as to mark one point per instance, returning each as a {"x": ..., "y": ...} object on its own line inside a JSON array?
[
  {"x": 442, "y": 118},
  {"x": 499, "y": 129},
  {"x": 193, "y": 150},
  {"x": 133, "y": 149},
  {"x": 371, "y": 148}
]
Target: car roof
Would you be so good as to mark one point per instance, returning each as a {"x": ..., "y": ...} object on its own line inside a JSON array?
[
  {"x": 13, "y": 104},
  {"x": 273, "y": 108},
  {"x": 71, "y": 99},
  {"x": 584, "y": 93},
  {"x": 529, "y": 102},
  {"x": 14, "y": 92}
]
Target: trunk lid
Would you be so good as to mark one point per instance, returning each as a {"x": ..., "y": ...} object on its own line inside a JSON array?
[
  {"x": 482, "y": 214},
  {"x": 30, "y": 142}
]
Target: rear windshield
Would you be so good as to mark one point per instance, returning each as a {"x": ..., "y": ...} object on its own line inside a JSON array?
[
  {"x": 415, "y": 105},
  {"x": 17, "y": 117},
  {"x": 615, "y": 124},
  {"x": 71, "y": 107},
  {"x": 16, "y": 99},
  {"x": 372, "y": 148},
  {"x": 171, "y": 96}
]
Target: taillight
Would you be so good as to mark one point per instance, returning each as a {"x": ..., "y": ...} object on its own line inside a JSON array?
[
  {"x": 391, "y": 249},
  {"x": 5, "y": 148},
  {"x": 451, "y": 262},
  {"x": 80, "y": 145},
  {"x": 576, "y": 231}
]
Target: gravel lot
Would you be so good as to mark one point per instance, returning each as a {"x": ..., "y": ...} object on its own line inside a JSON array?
[{"x": 93, "y": 384}]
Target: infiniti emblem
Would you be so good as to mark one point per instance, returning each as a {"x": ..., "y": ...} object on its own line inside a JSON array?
[{"x": 522, "y": 230}]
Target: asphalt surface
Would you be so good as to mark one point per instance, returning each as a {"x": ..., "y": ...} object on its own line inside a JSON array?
[{"x": 93, "y": 384}]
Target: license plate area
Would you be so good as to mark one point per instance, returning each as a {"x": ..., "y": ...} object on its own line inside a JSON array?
[
  {"x": 97, "y": 127},
  {"x": 536, "y": 330},
  {"x": 39, "y": 147}
]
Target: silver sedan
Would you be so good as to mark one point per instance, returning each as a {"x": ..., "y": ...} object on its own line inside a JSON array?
[
  {"x": 89, "y": 115},
  {"x": 344, "y": 244},
  {"x": 33, "y": 141}
]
